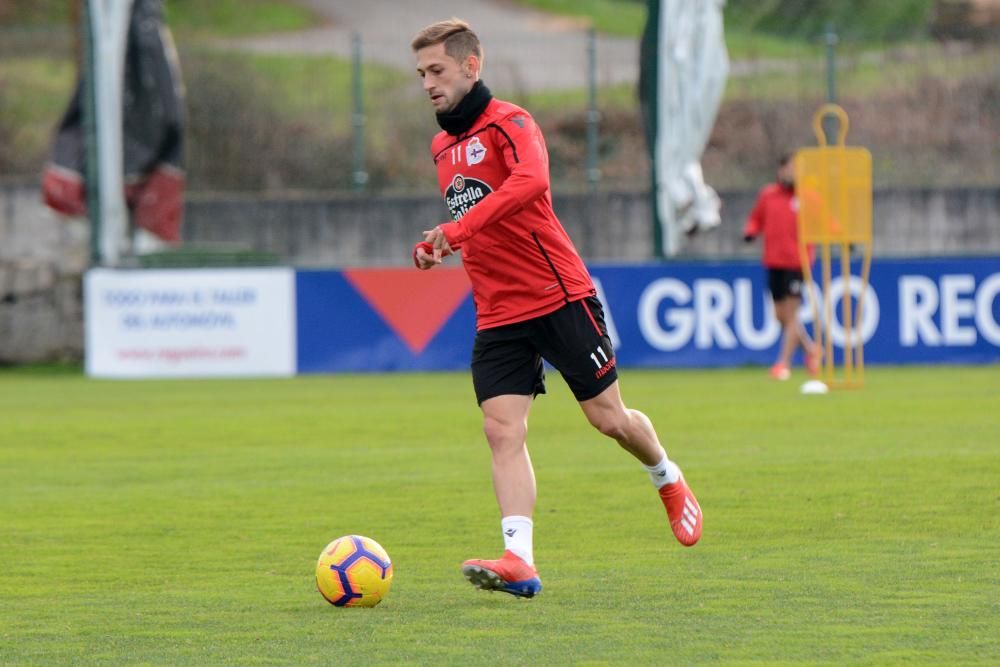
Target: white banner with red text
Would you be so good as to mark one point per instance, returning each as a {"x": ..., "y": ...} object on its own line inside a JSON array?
[{"x": 190, "y": 323}]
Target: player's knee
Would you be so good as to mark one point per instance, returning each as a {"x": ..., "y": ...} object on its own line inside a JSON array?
[
  {"x": 612, "y": 424},
  {"x": 502, "y": 432}
]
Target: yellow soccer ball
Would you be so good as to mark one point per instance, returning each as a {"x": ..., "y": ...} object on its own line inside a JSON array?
[{"x": 353, "y": 571}]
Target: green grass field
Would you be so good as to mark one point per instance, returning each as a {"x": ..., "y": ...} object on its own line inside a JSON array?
[{"x": 179, "y": 522}]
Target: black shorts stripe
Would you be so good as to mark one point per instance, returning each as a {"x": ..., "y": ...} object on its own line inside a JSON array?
[{"x": 583, "y": 304}]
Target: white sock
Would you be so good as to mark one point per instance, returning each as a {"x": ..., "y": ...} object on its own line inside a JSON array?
[
  {"x": 517, "y": 537},
  {"x": 663, "y": 473}
]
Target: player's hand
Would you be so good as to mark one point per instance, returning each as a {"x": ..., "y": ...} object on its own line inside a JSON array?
[
  {"x": 424, "y": 259},
  {"x": 439, "y": 244}
]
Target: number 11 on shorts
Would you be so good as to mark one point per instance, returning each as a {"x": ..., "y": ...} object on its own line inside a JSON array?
[{"x": 597, "y": 362}]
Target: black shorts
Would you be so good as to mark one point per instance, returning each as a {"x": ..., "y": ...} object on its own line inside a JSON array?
[
  {"x": 784, "y": 283},
  {"x": 574, "y": 339}
]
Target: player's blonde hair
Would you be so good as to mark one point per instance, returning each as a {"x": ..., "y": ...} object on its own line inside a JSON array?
[{"x": 456, "y": 35}]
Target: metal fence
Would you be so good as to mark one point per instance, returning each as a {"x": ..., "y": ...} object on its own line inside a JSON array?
[{"x": 284, "y": 113}]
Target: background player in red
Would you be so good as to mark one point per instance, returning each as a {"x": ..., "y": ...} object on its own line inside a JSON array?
[
  {"x": 774, "y": 216},
  {"x": 533, "y": 295}
]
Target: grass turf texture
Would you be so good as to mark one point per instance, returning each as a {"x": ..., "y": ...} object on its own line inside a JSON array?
[{"x": 179, "y": 522}]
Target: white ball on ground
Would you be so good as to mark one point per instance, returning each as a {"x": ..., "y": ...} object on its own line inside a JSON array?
[{"x": 814, "y": 387}]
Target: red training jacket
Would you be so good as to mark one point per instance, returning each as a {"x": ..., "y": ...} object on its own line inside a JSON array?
[
  {"x": 775, "y": 215},
  {"x": 495, "y": 182}
]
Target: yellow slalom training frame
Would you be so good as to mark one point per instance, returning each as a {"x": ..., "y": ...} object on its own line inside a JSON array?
[{"x": 833, "y": 185}]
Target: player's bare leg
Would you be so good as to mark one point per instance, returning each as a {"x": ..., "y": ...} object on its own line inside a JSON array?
[
  {"x": 505, "y": 423},
  {"x": 631, "y": 428},
  {"x": 812, "y": 351},
  {"x": 794, "y": 335},
  {"x": 785, "y": 312},
  {"x": 634, "y": 432}
]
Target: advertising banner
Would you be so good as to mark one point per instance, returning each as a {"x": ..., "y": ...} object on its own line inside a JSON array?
[
  {"x": 190, "y": 323},
  {"x": 258, "y": 322},
  {"x": 703, "y": 314},
  {"x": 384, "y": 320},
  {"x": 677, "y": 314}
]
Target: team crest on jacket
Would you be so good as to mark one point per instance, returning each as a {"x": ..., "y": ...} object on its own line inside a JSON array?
[
  {"x": 463, "y": 194},
  {"x": 474, "y": 151}
]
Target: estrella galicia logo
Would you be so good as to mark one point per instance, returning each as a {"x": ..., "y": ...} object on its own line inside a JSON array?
[{"x": 463, "y": 194}]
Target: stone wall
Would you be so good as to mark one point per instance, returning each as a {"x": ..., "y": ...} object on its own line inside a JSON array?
[
  {"x": 41, "y": 261},
  {"x": 42, "y": 257},
  {"x": 353, "y": 231}
]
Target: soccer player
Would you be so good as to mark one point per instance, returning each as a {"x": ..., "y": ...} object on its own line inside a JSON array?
[
  {"x": 533, "y": 295},
  {"x": 774, "y": 215}
]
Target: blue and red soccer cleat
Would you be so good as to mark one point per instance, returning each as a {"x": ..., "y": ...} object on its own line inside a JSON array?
[
  {"x": 509, "y": 574},
  {"x": 683, "y": 511}
]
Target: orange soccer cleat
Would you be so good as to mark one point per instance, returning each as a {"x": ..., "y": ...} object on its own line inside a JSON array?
[
  {"x": 509, "y": 574},
  {"x": 780, "y": 371},
  {"x": 683, "y": 511}
]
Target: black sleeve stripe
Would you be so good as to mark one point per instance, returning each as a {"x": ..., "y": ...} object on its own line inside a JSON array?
[
  {"x": 552, "y": 266},
  {"x": 513, "y": 146}
]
